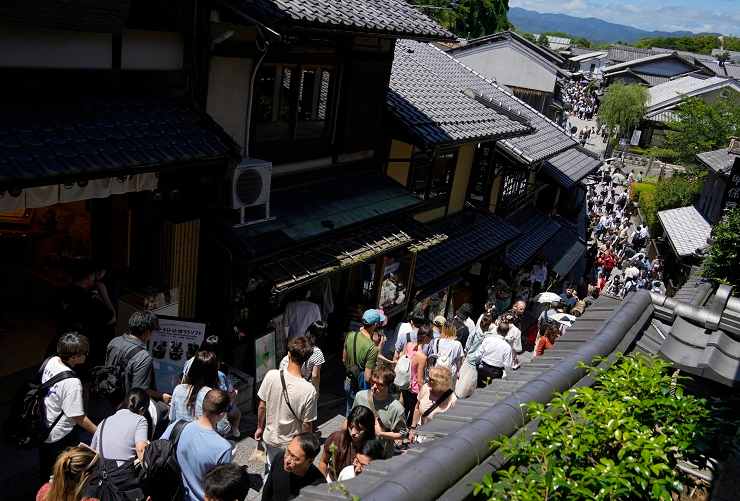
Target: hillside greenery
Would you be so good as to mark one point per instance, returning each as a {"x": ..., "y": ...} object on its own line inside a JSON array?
[
  {"x": 701, "y": 44},
  {"x": 724, "y": 252},
  {"x": 468, "y": 18}
]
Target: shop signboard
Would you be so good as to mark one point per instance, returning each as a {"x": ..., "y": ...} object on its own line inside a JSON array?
[
  {"x": 171, "y": 346},
  {"x": 265, "y": 357}
]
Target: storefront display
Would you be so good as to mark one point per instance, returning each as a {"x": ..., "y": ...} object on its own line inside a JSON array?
[{"x": 171, "y": 346}]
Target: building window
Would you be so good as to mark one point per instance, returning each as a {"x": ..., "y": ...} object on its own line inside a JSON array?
[
  {"x": 433, "y": 180},
  {"x": 514, "y": 188},
  {"x": 292, "y": 102},
  {"x": 480, "y": 178}
]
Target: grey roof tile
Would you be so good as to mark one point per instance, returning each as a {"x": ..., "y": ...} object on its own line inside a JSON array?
[
  {"x": 536, "y": 230},
  {"x": 97, "y": 137},
  {"x": 622, "y": 53},
  {"x": 719, "y": 161},
  {"x": 686, "y": 228},
  {"x": 471, "y": 243},
  {"x": 570, "y": 166},
  {"x": 545, "y": 140},
  {"x": 388, "y": 17}
]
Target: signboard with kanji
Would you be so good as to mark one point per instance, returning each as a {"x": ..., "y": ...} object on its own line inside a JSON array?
[{"x": 171, "y": 346}]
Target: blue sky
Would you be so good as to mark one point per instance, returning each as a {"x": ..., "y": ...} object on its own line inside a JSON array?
[{"x": 721, "y": 16}]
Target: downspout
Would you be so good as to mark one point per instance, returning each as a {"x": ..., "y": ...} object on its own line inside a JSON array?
[{"x": 248, "y": 118}]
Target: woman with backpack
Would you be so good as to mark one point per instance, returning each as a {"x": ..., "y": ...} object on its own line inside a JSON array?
[
  {"x": 415, "y": 352},
  {"x": 468, "y": 380},
  {"x": 126, "y": 431},
  {"x": 447, "y": 351},
  {"x": 343, "y": 445},
  {"x": 187, "y": 398},
  {"x": 70, "y": 476}
]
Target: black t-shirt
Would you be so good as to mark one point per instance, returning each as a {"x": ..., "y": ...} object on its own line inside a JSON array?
[{"x": 282, "y": 486}]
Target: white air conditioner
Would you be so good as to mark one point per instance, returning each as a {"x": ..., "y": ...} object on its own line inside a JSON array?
[{"x": 250, "y": 190}]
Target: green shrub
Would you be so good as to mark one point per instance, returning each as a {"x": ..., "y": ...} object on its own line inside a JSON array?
[
  {"x": 639, "y": 188},
  {"x": 649, "y": 210},
  {"x": 619, "y": 439},
  {"x": 724, "y": 253}
]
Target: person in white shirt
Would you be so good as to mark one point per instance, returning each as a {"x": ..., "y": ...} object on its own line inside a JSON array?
[
  {"x": 287, "y": 402},
  {"x": 64, "y": 406},
  {"x": 494, "y": 356},
  {"x": 406, "y": 334}
]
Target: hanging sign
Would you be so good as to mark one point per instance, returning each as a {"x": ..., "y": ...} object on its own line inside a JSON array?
[{"x": 171, "y": 346}]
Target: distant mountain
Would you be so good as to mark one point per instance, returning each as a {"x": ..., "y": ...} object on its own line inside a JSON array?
[{"x": 596, "y": 30}]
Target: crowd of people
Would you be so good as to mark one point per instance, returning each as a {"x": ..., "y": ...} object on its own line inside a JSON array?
[
  {"x": 581, "y": 97},
  {"x": 390, "y": 391},
  {"x": 617, "y": 253}
]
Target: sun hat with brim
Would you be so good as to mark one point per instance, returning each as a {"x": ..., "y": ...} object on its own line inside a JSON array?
[{"x": 440, "y": 321}]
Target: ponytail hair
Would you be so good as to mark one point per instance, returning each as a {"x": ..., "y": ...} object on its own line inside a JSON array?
[
  {"x": 70, "y": 474},
  {"x": 137, "y": 401}
]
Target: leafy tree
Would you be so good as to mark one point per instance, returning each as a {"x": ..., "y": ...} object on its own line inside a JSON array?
[
  {"x": 701, "y": 126},
  {"x": 700, "y": 44},
  {"x": 724, "y": 251},
  {"x": 669, "y": 193},
  {"x": 468, "y": 18},
  {"x": 622, "y": 107}
]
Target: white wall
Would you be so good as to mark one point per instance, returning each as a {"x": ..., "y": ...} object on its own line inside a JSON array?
[
  {"x": 22, "y": 47},
  {"x": 151, "y": 50},
  {"x": 600, "y": 65},
  {"x": 509, "y": 66},
  {"x": 228, "y": 88}
]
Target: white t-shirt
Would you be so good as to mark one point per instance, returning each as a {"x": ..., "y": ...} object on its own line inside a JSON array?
[
  {"x": 347, "y": 473},
  {"x": 280, "y": 424},
  {"x": 64, "y": 397}
]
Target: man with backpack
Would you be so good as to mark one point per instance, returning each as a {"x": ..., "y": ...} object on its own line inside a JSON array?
[
  {"x": 130, "y": 365},
  {"x": 199, "y": 446},
  {"x": 407, "y": 334},
  {"x": 63, "y": 404},
  {"x": 360, "y": 355},
  {"x": 287, "y": 402}
]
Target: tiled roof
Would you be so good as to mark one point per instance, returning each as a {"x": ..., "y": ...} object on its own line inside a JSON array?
[
  {"x": 728, "y": 70},
  {"x": 434, "y": 111},
  {"x": 386, "y": 17},
  {"x": 48, "y": 143},
  {"x": 511, "y": 36},
  {"x": 588, "y": 55},
  {"x": 536, "y": 229},
  {"x": 719, "y": 161},
  {"x": 631, "y": 63},
  {"x": 564, "y": 249},
  {"x": 652, "y": 79},
  {"x": 672, "y": 91},
  {"x": 686, "y": 228},
  {"x": 475, "y": 242},
  {"x": 308, "y": 211},
  {"x": 622, "y": 53},
  {"x": 570, "y": 166},
  {"x": 546, "y": 140}
]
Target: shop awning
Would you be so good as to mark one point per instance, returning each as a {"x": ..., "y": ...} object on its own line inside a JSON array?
[
  {"x": 469, "y": 244},
  {"x": 313, "y": 210},
  {"x": 686, "y": 229},
  {"x": 52, "y": 144},
  {"x": 563, "y": 251},
  {"x": 536, "y": 230},
  {"x": 570, "y": 166},
  {"x": 295, "y": 269}
]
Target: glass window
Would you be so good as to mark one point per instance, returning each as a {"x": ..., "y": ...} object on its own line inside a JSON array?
[
  {"x": 433, "y": 180},
  {"x": 272, "y": 102}
]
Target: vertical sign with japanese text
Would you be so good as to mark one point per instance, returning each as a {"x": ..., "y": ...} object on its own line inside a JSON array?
[{"x": 171, "y": 346}]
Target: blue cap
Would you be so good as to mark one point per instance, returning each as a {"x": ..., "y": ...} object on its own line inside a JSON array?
[{"x": 373, "y": 317}]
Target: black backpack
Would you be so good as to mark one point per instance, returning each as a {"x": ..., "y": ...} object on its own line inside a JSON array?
[
  {"x": 160, "y": 469},
  {"x": 110, "y": 481},
  {"x": 26, "y": 427},
  {"x": 109, "y": 381}
]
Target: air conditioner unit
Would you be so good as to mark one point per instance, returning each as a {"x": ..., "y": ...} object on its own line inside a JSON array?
[{"x": 250, "y": 190}]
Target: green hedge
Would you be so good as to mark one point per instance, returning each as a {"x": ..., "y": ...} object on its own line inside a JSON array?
[{"x": 620, "y": 439}]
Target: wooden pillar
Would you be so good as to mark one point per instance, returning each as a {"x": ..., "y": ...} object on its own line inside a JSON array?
[{"x": 181, "y": 242}]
